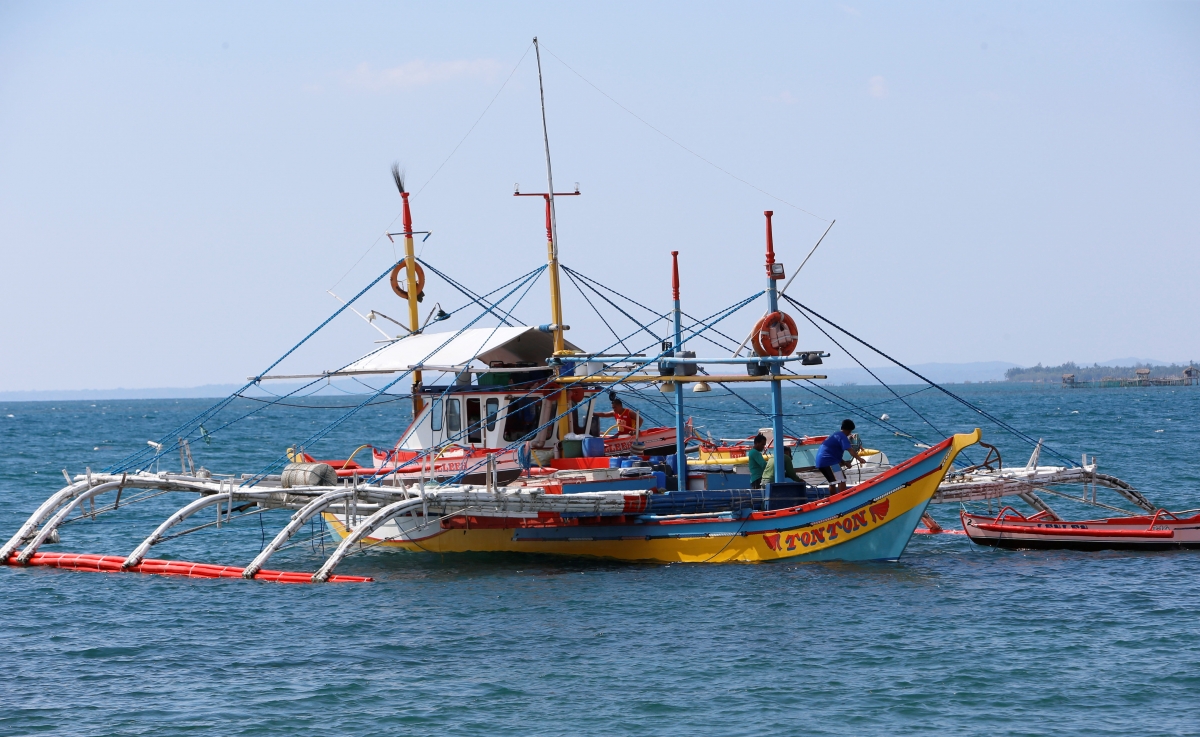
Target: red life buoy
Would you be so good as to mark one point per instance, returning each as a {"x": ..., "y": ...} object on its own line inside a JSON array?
[
  {"x": 775, "y": 335},
  {"x": 401, "y": 291}
]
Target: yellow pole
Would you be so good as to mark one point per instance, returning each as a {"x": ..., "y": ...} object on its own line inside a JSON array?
[
  {"x": 410, "y": 279},
  {"x": 564, "y": 426}
]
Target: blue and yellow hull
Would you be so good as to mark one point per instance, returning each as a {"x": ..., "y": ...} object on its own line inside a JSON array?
[{"x": 871, "y": 521}]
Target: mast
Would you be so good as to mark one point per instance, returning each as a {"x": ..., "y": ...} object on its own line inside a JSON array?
[
  {"x": 681, "y": 473},
  {"x": 551, "y": 221},
  {"x": 412, "y": 286},
  {"x": 556, "y": 316},
  {"x": 776, "y": 368},
  {"x": 410, "y": 276}
]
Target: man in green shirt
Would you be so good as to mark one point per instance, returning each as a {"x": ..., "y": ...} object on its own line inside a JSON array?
[
  {"x": 755, "y": 461},
  {"x": 789, "y": 472}
]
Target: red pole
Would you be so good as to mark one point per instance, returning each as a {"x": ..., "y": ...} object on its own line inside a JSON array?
[
  {"x": 675, "y": 275},
  {"x": 770, "y": 243},
  {"x": 407, "y": 216}
]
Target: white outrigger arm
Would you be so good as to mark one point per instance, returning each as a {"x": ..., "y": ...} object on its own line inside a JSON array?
[
  {"x": 369, "y": 525},
  {"x": 298, "y": 520},
  {"x": 380, "y": 505}
]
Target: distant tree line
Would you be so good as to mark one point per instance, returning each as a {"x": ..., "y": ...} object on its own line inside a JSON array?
[{"x": 1089, "y": 373}]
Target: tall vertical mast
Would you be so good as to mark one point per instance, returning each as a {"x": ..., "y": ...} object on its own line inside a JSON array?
[
  {"x": 680, "y": 440},
  {"x": 776, "y": 384},
  {"x": 412, "y": 287},
  {"x": 410, "y": 276},
  {"x": 552, "y": 225}
]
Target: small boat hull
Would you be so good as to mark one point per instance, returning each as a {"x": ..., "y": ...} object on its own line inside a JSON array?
[{"x": 1162, "y": 531}]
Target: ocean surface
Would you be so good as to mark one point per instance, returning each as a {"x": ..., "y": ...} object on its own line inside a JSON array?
[{"x": 952, "y": 639}]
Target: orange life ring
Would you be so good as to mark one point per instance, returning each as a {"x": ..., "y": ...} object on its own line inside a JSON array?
[
  {"x": 775, "y": 335},
  {"x": 401, "y": 291}
]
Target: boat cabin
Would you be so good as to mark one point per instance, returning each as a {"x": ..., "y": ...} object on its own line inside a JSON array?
[{"x": 501, "y": 387}]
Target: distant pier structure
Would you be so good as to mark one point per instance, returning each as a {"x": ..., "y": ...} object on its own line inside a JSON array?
[{"x": 1141, "y": 377}]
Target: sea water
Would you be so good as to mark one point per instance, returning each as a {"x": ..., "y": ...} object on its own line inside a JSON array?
[{"x": 952, "y": 639}]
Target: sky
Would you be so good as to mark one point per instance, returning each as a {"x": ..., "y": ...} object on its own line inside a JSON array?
[{"x": 181, "y": 184}]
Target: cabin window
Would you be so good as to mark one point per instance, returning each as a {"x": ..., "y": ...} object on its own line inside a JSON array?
[
  {"x": 453, "y": 416},
  {"x": 493, "y": 409},
  {"x": 474, "y": 421},
  {"x": 435, "y": 416},
  {"x": 522, "y": 418}
]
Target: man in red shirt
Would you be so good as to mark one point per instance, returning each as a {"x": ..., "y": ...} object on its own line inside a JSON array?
[{"x": 627, "y": 420}]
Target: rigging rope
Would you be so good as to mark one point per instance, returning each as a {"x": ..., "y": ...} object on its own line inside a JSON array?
[
  {"x": 170, "y": 442},
  {"x": 329, "y": 428},
  {"x": 947, "y": 392},
  {"x": 869, "y": 371},
  {"x": 677, "y": 143}
]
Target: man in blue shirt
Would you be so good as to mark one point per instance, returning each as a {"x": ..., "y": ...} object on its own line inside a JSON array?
[{"x": 829, "y": 457}]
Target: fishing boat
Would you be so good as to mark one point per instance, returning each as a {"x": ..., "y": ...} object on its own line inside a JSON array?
[
  {"x": 1010, "y": 529},
  {"x": 506, "y": 456}
]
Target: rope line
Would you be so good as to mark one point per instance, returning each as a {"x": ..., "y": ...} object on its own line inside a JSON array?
[
  {"x": 869, "y": 371},
  {"x": 677, "y": 143},
  {"x": 477, "y": 120},
  {"x": 947, "y": 392}
]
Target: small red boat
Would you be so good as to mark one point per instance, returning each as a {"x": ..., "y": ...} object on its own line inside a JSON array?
[{"x": 1011, "y": 529}]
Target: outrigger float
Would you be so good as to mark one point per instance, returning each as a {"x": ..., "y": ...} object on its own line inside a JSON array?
[{"x": 507, "y": 456}]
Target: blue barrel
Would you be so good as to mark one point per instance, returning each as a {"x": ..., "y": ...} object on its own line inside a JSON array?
[
  {"x": 593, "y": 447},
  {"x": 660, "y": 480},
  {"x": 614, "y": 462},
  {"x": 626, "y": 463},
  {"x": 657, "y": 459}
]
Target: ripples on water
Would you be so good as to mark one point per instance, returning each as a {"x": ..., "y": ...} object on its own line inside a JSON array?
[{"x": 952, "y": 639}]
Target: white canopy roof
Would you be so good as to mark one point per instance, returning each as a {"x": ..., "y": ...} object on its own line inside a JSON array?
[{"x": 507, "y": 344}]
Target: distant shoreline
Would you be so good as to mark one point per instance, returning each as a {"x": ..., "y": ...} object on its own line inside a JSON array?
[
  {"x": 980, "y": 372},
  {"x": 1054, "y": 374}
]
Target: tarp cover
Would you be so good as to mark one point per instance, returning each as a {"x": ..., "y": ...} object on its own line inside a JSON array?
[{"x": 510, "y": 345}]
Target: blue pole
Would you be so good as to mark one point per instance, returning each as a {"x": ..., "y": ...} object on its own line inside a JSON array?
[
  {"x": 776, "y": 369},
  {"x": 680, "y": 440}
]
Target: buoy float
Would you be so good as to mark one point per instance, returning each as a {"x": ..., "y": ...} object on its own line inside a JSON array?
[
  {"x": 775, "y": 335},
  {"x": 401, "y": 291},
  {"x": 115, "y": 564}
]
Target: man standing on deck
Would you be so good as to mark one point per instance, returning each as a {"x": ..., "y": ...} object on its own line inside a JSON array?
[
  {"x": 755, "y": 461},
  {"x": 789, "y": 471},
  {"x": 829, "y": 457},
  {"x": 627, "y": 420}
]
